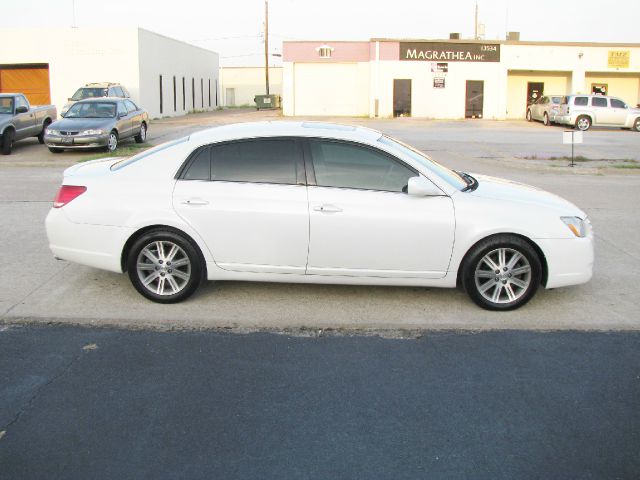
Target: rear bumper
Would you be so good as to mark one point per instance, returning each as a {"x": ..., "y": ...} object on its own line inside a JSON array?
[
  {"x": 564, "y": 119},
  {"x": 569, "y": 261},
  {"x": 69, "y": 241}
]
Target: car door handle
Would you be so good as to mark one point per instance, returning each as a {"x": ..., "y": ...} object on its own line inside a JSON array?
[
  {"x": 326, "y": 208},
  {"x": 194, "y": 201}
]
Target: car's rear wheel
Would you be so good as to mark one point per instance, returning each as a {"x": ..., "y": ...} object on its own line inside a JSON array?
[
  {"x": 142, "y": 136},
  {"x": 501, "y": 272},
  {"x": 165, "y": 267},
  {"x": 583, "y": 123},
  {"x": 529, "y": 118},
  {"x": 7, "y": 141},
  {"x": 636, "y": 125},
  {"x": 545, "y": 120},
  {"x": 112, "y": 142}
]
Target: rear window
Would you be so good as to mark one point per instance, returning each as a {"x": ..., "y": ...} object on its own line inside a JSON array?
[
  {"x": 556, "y": 100},
  {"x": 581, "y": 101},
  {"x": 128, "y": 161}
]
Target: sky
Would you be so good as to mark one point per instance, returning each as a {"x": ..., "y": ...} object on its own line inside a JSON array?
[{"x": 233, "y": 28}]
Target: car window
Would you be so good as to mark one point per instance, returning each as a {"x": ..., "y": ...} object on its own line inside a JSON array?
[
  {"x": 6, "y": 105},
  {"x": 258, "y": 161},
  {"x": 121, "y": 108},
  {"x": 581, "y": 101},
  {"x": 556, "y": 100},
  {"x": 131, "y": 107},
  {"x": 200, "y": 166},
  {"x": 21, "y": 102},
  {"x": 125, "y": 91},
  {"x": 92, "y": 110},
  {"x": 347, "y": 165},
  {"x": 117, "y": 91},
  {"x": 615, "y": 103},
  {"x": 598, "y": 102}
]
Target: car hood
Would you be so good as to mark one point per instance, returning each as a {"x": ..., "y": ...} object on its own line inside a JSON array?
[
  {"x": 509, "y": 191},
  {"x": 82, "y": 123}
]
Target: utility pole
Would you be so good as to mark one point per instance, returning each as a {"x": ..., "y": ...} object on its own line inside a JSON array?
[
  {"x": 266, "y": 44},
  {"x": 476, "y": 23},
  {"x": 73, "y": 14}
]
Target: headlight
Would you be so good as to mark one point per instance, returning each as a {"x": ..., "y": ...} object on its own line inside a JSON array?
[
  {"x": 91, "y": 132},
  {"x": 51, "y": 131},
  {"x": 579, "y": 227}
]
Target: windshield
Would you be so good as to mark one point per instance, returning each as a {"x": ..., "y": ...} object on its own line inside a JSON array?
[
  {"x": 6, "y": 104},
  {"x": 92, "y": 110},
  {"x": 556, "y": 100},
  {"x": 443, "y": 172},
  {"x": 83, "y": 93}
]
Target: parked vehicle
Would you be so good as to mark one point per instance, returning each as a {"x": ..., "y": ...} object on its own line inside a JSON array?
[
  {"x": 19, "y": 120},
  {"x": 583, "y": 111},
  {"x": 96, "y": 90},
  {"x": 314, "y": 203},
  {"x": 99, "y": 123},
  {"x": 544, "y": 109}
]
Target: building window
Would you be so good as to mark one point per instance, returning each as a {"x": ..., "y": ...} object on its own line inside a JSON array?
[
  {"x": 193, "y": 94},
  {"x": 325, "y": 51},
  {"x": 201, "y": 93},
  {"x": 175, "y": 96},
  {"x": 160, "y": 94},
  {"x": 216, "y": 92},
  {"x": 184, "y": 95},
  {"x": 209, "y": 92}
]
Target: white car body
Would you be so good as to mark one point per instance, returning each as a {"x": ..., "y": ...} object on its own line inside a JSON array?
[{"x": 307, "y": 233}]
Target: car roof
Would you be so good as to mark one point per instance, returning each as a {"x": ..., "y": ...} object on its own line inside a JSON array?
[
  {"x": 282, "y": 128},
  {"x": 100, "y": 85},
  {"x": 101, "y": 100}
]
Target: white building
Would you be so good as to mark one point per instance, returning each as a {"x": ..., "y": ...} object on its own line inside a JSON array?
[
  {"x": 239, "y": 85},
  {"x": 166, "y": 76},
  {"x": 449, "y": 79}
]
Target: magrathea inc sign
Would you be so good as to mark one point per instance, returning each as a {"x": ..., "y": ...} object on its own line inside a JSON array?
[{"x": 450, "y": 52}]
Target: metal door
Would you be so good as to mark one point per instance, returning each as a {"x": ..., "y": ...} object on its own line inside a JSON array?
[
  {"x": 474, "y": 99},
  {"x": 401, "y": 98},
  {"x": 534, "y": 91},
  {"x": 231, "y": 97}
]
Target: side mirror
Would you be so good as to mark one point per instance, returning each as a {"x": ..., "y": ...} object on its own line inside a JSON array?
[
  {"x": 122, "y": 115},
  {"x": 62, "y": 115},
  {"x": 22, "y": 109},
  {"x": 422, "y": 187}
]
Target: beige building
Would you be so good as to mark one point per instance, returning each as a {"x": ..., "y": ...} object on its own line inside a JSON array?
[
  {"x": 241, "y": 84},
  {"x": 166, "y": 76},
  {"x": 450, "y": 79}
]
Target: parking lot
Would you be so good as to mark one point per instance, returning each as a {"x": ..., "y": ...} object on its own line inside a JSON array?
[{"x": 35, "y": 287}]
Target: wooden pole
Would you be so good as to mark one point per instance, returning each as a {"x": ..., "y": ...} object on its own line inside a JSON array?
[{"x": 266, "y": 44}]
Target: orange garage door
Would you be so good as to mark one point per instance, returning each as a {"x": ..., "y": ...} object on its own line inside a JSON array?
[{"x": 32, "y": 80}]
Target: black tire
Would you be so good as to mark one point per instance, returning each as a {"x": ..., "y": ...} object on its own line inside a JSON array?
[
  {"x": 529, "y": 117},
  {"x": 46, "y": 123},
  {"x": 55, "y": 150},
  {"x": 545, "y": 120},
  {"x": 528, "y": 281},
  {"x": 113, "y": 142},
  {"x": 142, "y": 136},
  {"x": 583, "y": 123},
  {"x": 195, "y": 270},
  {"x": 7, "y": 141},
  {"x": 636, "y": 125}
]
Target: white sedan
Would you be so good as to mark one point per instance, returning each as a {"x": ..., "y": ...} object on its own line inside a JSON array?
[{"x": 314, "y": 203}]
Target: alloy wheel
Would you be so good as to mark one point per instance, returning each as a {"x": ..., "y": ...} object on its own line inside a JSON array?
[
  {"x": 163, "y": 267},
  {"x": 503, "y": 275}
]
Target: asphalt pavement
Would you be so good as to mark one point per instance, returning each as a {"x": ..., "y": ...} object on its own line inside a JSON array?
[{"x": 103, "y": 403}]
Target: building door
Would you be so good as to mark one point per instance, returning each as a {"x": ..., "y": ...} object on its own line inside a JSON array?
[
  {"x": 32, "y": 80},
  {"x": 401, "y": 98},
  {"x": 534, "y": 92},
  {"x": 474, "y": 99},
  {"x": 230, "y": 94}
]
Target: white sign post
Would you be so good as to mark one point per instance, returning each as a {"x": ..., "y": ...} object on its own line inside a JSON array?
[{"x": 572, "y": 137}]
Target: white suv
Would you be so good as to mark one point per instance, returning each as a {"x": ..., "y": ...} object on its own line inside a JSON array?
[{"x": 583, "y": 111}]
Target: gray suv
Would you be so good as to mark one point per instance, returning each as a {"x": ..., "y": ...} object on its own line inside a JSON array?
[
  {"x": 95, "y": 90},
  {"x": 583, "y": 111}
]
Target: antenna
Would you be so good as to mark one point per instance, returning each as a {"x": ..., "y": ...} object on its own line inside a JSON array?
[
  {"x": 266, "y": 44},
  {"x": 475, "y": 35}
]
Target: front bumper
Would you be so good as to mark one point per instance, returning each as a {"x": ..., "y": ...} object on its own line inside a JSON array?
[
  {"x": 76, "y": 141},
  {"x": 569, "y": 261}
]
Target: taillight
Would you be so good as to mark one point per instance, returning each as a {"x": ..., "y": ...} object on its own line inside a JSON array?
[{"x": 66, "y": 194}]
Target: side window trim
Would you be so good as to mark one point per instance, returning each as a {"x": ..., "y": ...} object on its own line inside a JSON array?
[{"x": 310, "y": 167}]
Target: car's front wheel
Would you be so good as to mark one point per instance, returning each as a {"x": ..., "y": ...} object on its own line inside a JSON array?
[
  {"x": 501, "y": 272},
  {"x": 112, "y": 142},
  {"x": 545, "y": 120},
  {"x": 636, "y": 125},
  {"x": 7, "y": 141},
  {"x": 165, "y": 267},
  {"x": 529, "y": 118}
]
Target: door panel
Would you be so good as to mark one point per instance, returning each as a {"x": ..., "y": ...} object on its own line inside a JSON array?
[
  {"x": 248, "y": 227},
  {"x": 379, "y": 234},
  {"x": 474, "y": 99},
  {"x": 401, "y": 97}
]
